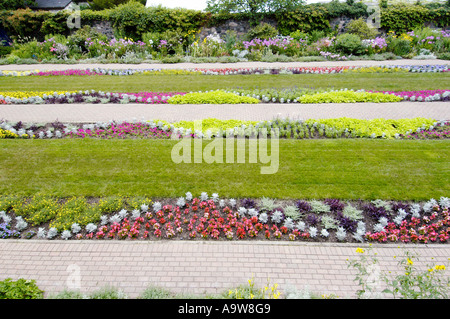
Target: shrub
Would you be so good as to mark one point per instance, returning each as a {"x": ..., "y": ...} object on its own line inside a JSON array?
[
  {"x": 214, "y": 97},
  {"x": 400, "y": 47},
  {"x": 262, "y": 31},
  {"x": 348, "y": 44},
  {"x": 361, "y": 28},
  {"x": 5, "y": 50},
  {"x": 20, "y": 289}
]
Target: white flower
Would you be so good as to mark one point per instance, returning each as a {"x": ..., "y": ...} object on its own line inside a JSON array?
[
  {"x": 90, "y": 228},
  {"x": 252, "y": 212},
  {"x": 20, "y": 223},
  {"x": 277, "y": 216},
  {"x": 444, "y": 202},
  {"x": 135, "y": 214},
  {"x": 103, "y": 219},
  {"x": 383, "y": 221},
  {"x": 204, "y": 196},
  {"x": 75, "y": 228},
  {"x": 324, "y": 233},
  {"x": 215, "y": 197},
  {"x": 313, "y": 231},
  {"x": 378, "y": 228},
  {"x": 41, "y": 233},
  {"x": 341, "y": 233},
  {"x": 242, "y": 211},
  {"x": 222, "y": 203},
  {"x": 232, "y": 202},
  {"x": 188, "y": 196},
  {"x": 66, "y": 234},
  {"x": 289, "y": 223},
  {"x": 144, "y": 208},
  {"x": 123, "y": 214},
  {"x": 181, "y": 202},
  {"x": 157, "y": 206},
  {"x": 52, "y": 232},
  {"x": 263, "y": 218},
  {"x": 300, "y": 225},
  {"x": 415, "y": 210},
  {"x": 115, "y": 219},
  {"x": 429, "y": 205}
]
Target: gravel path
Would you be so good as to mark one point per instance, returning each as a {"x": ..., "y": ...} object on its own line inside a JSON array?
[{"x": 43, "y": 67}]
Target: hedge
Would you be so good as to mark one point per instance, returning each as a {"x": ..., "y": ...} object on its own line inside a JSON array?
[{"x": 133, "y": 19}]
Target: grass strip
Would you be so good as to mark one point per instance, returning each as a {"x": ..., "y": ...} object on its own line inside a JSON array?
[
  {"x": 309, "y": 169},
  {"x": 188, "y": 83}
]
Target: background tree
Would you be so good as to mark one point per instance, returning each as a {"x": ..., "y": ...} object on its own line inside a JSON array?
[
  {"x": 108, "y": 4},
  {"x": 15, "y": 4},
  {"x": 251, "y": 6}
]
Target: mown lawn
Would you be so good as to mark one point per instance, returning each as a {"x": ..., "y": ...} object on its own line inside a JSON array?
[
  {"x": 187, "y": 83},
  {"x": 309, "y": 169}
]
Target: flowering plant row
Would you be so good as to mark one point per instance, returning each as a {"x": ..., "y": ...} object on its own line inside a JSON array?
[
  {"x": 213, "y": 218},
  {"x": 235, "y": 96},
  {"x": 416, "y": 128},
  {"x": 235, "y": 71}
]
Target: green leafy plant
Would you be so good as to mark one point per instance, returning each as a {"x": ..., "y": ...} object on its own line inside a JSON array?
[
  {"x": 213, "y": 97},
  {"x": 361, "y": 28},
  {"x": 262, "y": 31},
  {"x": 418, "y": 284},
  {"x": 20, "y": 289},
  {"x": 431, "y": 283},
  {"x": 348, "y": 44}
]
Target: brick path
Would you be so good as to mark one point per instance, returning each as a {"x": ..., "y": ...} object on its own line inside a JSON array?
[
  {"x": 258, "y": 112},
  {"x": 196, "y": 267}
]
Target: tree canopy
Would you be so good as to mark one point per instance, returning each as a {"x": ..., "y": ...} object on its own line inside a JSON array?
[{"x": 251, "y": 6}]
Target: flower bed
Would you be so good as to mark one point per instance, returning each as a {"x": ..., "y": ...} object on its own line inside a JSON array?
[
  {"x": 236, "y": 71},
  {"x": 416, "y": 128},
  {"x": 235, "y": 96},
  {"x": 212, "y": 218}
]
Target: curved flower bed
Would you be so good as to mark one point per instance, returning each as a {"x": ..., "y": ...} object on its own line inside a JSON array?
[
  {"x": 212, "y": 218},
  {"x": 417, "y": 128},
  {"x": 235, "y": 71},
  {"x": 236, "y": 96}
]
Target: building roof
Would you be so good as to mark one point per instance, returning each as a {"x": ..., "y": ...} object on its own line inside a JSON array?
[{"x": 52, "y": 4}]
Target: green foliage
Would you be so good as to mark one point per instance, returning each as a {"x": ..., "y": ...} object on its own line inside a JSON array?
[
  {"x": 5, "y": 50},
  {"x": 36, "y": 24},
  {"x": 405, "y": 17},
  {"x": 133, "y": 19},
  {"x": 20, "y": 289},
  {"x": 251, "y": 6},
  {"x": 361, "y": 28},
  {"x": 15, "y": 4},
  {"x": 214, "y": 97},
  {"x": 347, "y": 43},
  {"x": 413, "y": 283},
  {"x": 107, "y": 4},
  {"x": 262, "y": 31},
  {"x": 304, "y": 19},
  {"x": 400, "y": 47},
  {"x": 337, "y": 8}
]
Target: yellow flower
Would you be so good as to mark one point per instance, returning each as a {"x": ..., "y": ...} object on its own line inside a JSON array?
[
  {"x": 410, "y": 262},
  {"x": 360, "y": 250}
]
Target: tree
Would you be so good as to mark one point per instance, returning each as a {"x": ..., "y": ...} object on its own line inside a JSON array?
[
  {"x": 108, "y": 4},
  {"x": 15, "y": 4},
  {"x": 251, "y": 6}
]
